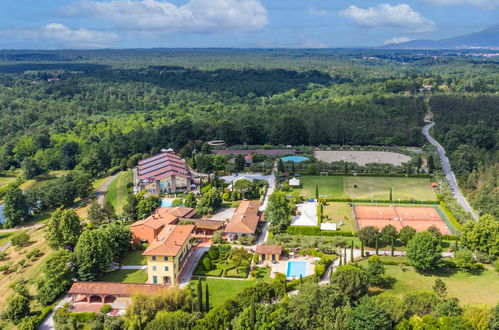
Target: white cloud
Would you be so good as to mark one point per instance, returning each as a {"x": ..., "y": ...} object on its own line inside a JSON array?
[
  {"x": 163, "y": 16},
  {"x": 396, "y": 40},
  {"x": 66, "y": 37},
  {"x": 317, "y": 12},
  {"x": 484, "y": 4},
  {"x": 400, "y": 16}
]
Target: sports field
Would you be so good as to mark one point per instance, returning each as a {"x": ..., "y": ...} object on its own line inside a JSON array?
[
  {"x": 419, "y": 218},
  {"x": 367, "y": 187}
]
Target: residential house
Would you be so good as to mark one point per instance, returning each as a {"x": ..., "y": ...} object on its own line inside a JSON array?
[
  {"x": 163, "y": 173},
  {"x": 167, "y": 254},
  {"x": 244, "y": 221},
  {"x": 147, "y": 229}
]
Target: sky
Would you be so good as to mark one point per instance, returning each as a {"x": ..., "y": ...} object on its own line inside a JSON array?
[{"x": 91, "y": 24}]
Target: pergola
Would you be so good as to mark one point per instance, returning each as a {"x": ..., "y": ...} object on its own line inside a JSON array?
[{"x": 104, "y": 292}]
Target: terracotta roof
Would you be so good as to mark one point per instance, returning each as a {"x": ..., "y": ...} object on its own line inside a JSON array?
[
  {"x": 161, "y": 166},
  {"x": 116, "y": 289},
  {"x": 163, "y": 216},
  {"x": 207, "y": 224},
  {"x": 169, "y": 240},
  {"x": 268, "y": 249},
  {"x": 157, "y": 156},
  {"x": 246, "y": 218}
]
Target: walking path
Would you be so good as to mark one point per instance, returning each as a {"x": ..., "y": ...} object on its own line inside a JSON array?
[
  {"x": 451, "y": 178},
  {"x": 101, "y": 191},
  {"x": 29, "y": 228},
  {"x": 193, "y": 260}
]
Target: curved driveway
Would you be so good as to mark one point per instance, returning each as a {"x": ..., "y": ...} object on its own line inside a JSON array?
[{"x": 451, "y": 178}]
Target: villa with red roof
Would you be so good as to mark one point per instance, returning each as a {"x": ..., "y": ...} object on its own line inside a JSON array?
[{"x": 165, "y": 172}]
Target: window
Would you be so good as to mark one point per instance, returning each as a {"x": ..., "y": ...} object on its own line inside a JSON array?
[
  {"x": 153, "y": 258},
  {"x": 166, "y": 258},
  {"x": 155, "y": 279},
  {"x": 153, "y": 268},
  {"x": 166, "y": 268}
]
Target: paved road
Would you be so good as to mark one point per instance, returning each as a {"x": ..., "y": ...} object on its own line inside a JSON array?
[
  {"x": 29, "y": 228},
  {"x": 451, "y": 178},
  {"x": 101, "y": 191}
]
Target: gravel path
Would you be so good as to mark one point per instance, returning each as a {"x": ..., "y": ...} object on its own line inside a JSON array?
[
  {"x": 101, "y": 192},
  {"x": 451, "y": 178}
]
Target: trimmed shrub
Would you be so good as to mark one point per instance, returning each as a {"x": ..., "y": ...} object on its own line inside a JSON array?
[
  {"x": 207, "y": 263},
  {"x": 213, "y": 252},
  {"x": 106, "y": 309}
]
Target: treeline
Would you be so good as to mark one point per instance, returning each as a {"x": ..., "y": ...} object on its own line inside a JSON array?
[{"x": 468, "y": 128}]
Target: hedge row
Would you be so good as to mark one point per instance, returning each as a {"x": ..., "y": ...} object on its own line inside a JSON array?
[
  {"x": 408, "y": 201},
  {"x": 450, "y": 216},
  {"x": 385, "y": 175},
  {"x": 316, "y": 231}
]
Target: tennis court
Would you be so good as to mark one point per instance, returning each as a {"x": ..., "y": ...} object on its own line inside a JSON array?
[{"x": 419, "y": 218}]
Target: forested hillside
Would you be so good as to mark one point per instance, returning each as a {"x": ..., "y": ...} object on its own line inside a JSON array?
[{"x": 468, "y": 127}]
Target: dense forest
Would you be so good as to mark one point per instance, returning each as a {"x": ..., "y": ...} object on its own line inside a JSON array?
[{"x": 94, "y": 110}]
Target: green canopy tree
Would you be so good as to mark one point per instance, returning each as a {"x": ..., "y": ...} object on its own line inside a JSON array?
[
  {"x": 16, "y": 209},
  {"x": 17, "y": 309},
  {"x": 92, "y": 255},
  {"x": 424, "y": 251},
  {"x": 482, "y": 235},
  {"x": 368, "y": 315},
  {"x": 352, "y": 281},
  {"x": 278, "y": 212},
  {"x": 64, "y": 229}
]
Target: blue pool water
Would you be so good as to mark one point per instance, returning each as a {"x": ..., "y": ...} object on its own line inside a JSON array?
[
  {"x": 166, "y": 204},
  {"x": 297, "y": 268},
  {"x": 295, "y": 159},
  {"x": 2, "y": 219}
]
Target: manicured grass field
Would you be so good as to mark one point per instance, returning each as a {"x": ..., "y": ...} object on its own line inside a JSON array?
[
  {"x": 332, "y": 186},
  {"x": 366, "y": 187},
  {"x": 118, "y": 191},
  {"x": 482, "y": 288},
  {"x": 339, "y": 212},
  {"x": 125, "y": 276},
  {"x": 134, "y": 258},
  {"x": 222, "y": 289}
]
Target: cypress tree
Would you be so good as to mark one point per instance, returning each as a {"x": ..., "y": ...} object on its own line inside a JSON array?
[
  {"x": 252, "y": 316},
  {"x": 345, "y": 255},
  {"x": 301, "y": 279},
  {"x": 317, "y": 191},
  {"x": 200, "y": 296},
  {"x": 391, "y": 195},
  {"x": 341, "y": 260},
  {"x": 351, "y": 252},
  {"x": 207, "y": 298},
  {"x": 362, "y": 249},
  {"x": 393, "y": 247},
  {"x": 377, "y": 250}
]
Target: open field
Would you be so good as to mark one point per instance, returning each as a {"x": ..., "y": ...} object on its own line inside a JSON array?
[
  {"x": 118, "y": 191},
  {"x": 42, "y": 180},
  {"x": 482, "y": 288},
  {"x": 337, "y": 212},
  {"x": 367, "y": 187},
  {"x": 125, "y": 276},
  {"x": 419, "y": 218},
  {"x": 31, "y": 270},
  {"x": 222, "y": 289},
  {"x": 362, "y": 157}
]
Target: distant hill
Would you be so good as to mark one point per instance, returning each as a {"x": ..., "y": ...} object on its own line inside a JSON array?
[{"x": 488, "y": 38}]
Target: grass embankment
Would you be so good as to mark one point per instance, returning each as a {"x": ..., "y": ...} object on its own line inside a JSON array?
[
  {"x": 365, "y": 187},
  {"x": 118, "y": 190},
  {"x": 125, "y": 276},
  {"x": 481, "y": 287},
  {"x": 6, "y": 180}
]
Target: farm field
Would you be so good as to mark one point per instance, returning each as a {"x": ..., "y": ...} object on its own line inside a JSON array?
[
  {"x": 117, "y": 192},
  {"x": 366, "y": 187},
  {"x": 337, "y": 212},
  {"x": 482, "y": 288}
]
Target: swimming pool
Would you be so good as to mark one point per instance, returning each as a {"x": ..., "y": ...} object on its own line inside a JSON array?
[
  {"x": 296, "y": 268},
  {"x": 295, "y": 159},
  {"x": 166, "y": 204}
]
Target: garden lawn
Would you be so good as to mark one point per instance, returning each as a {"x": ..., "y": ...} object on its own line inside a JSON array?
[
  {"x": 125, "y": 276},
  {"x": 222, "y": 289},
  {"x": 482, "y": 288},
  {"x": 379, "y": 188},
  {"x": 134, "y": 258},
  {"x": 339, "y": 212},
  {"x": 332, "y": 186},
  {"x": 118, "y": 191}
]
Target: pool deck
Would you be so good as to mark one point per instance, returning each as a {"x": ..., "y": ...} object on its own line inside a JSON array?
[{"x": 282, "y": 265}]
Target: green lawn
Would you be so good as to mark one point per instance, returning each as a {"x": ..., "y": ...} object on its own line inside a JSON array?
[
  {"x": 118, "y": 191},
  {"x": 222, "y": 289},
  {"x": 332, "y": 186},
  {"x": 482, "y": 288},
  {"x": 366, "y": 187},
  {"x": 5, "y": 237},
  {"x": 339, "y": 212},
  {"x": 125, "y": 276},
  {"x": 5, "y": 180},
  {"x": 135, "y": 257}
]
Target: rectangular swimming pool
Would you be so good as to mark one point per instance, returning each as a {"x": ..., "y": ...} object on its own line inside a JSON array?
[{"x": 296, "y": 268}]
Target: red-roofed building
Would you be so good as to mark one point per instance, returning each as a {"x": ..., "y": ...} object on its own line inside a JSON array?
[
  {"x": 244, "y": 221},
  {"x": 163, "y": 173}
]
